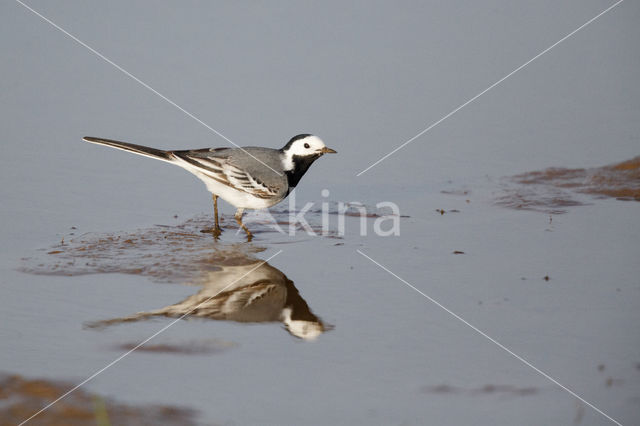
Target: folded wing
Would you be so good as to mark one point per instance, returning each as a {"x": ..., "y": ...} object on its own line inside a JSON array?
[{"x": 221, "y": 169}]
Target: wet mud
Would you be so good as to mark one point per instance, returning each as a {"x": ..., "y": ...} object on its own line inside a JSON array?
[{"x": 163, "y": 253}]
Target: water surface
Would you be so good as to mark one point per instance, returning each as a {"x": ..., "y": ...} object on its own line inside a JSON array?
[{"x": 88, "y": 234}]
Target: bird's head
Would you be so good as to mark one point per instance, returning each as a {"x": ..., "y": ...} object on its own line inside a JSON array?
[
  {"x": 305, "y": 149},
  {"x": 301, "y": 151}
]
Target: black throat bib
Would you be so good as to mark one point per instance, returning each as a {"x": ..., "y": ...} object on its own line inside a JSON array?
[{"x": 300, "y": 166}]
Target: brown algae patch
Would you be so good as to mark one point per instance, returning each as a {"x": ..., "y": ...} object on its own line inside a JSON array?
[
  {"x": 555, "y": 189},
  {"x": 163, "y": 253},
  {"x": 20, "y": 398}
]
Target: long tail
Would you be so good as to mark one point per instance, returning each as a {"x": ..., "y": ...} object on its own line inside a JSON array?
[
  {"x": 136, "y": 149},
  {"x": 132, "y": 318}
]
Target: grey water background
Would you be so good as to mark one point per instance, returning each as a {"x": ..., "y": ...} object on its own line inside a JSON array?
[{"x": 365, "y": 76}]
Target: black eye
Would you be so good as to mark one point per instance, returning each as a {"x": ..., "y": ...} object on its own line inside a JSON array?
[{"x": 306, "y": 145}]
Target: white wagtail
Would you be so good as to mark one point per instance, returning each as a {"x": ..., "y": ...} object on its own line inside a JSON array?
[{"x": 247, "y": 178}]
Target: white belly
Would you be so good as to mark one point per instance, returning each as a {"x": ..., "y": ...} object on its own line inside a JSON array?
[{"x": 236, "y": 198}]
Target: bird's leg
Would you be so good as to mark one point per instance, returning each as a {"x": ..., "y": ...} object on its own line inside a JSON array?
[
  {"x": 215, "y": 210},
  {"x": 216, "y": 230},
  {"x": 238, "y": 217}
]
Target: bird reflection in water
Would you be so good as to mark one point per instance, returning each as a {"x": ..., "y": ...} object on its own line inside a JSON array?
[{"x": 259, "y": 293}]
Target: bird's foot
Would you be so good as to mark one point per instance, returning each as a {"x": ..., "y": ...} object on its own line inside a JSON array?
[{"x": 215, "y": 231}]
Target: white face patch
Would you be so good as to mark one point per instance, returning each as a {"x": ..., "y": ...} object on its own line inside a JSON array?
[
  {"x": 307, "y": 330},
  {"x": 311, "y": 145}
]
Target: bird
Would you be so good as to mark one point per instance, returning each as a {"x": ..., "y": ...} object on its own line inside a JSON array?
[{"x": 245, "y": 177}]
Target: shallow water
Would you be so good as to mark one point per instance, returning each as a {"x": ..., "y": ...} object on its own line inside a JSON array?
[
  {"x": 90, "y": 234},
  {"x": 127, "y": 285}
]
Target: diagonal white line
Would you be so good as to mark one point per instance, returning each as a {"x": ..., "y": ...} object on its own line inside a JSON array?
[
  {"x": 500, "y": 345},
  {"x": 115, "y": 361},
  {"x": 491, "y": 87},
  {"x": 136, "y": 79}
]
